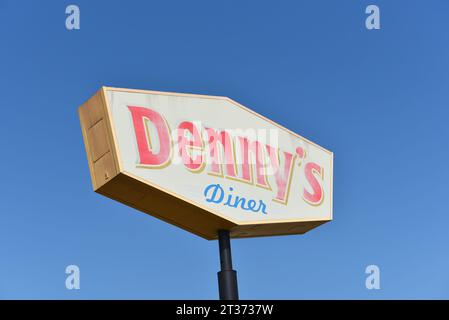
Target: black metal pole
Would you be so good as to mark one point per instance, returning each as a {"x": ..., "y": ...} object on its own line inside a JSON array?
[{"x": 227, "y": 278}]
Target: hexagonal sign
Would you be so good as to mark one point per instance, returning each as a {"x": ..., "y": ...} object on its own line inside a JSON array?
[{"x": 205, "y": 163}]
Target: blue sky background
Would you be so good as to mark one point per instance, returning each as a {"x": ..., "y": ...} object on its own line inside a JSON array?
[{"x": 377, "y": 99}]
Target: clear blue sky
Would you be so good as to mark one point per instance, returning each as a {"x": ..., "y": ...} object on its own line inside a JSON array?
[{"x": 378, "y": 99}]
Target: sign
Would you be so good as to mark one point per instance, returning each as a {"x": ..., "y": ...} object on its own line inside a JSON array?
[{"x": 205, "y": 163}]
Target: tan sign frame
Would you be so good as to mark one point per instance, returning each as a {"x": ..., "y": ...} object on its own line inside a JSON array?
[{"x": 110, "y": 180}]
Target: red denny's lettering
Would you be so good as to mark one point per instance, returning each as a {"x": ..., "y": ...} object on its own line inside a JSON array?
[{"x": 224, "y": 155}]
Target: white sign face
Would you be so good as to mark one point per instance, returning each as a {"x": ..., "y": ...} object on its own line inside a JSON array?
[{"x": 221, "y": 156}]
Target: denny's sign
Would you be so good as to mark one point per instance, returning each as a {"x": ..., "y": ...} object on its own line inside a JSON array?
[{"x": 205, "y": 163}]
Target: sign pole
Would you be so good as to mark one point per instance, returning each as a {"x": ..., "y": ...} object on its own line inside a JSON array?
[{"x": 227, "y": 278}]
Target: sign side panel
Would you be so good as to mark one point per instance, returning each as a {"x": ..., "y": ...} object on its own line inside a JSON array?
[{"x": 97, "y": 140}]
